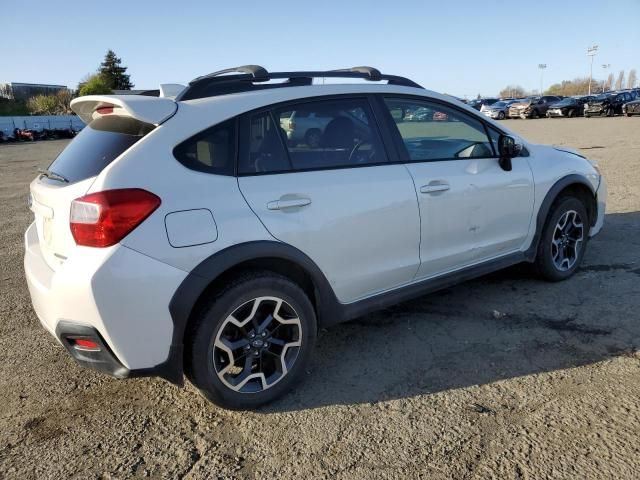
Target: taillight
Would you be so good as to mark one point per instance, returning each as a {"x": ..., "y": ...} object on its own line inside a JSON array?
[{"x": 104, "y": 218}]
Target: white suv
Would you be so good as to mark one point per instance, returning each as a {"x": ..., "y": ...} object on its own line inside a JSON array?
[{"x": 186, "y": 235}]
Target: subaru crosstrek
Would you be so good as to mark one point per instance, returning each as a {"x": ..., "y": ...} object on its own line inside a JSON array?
[{"x": 184, "y": 234}]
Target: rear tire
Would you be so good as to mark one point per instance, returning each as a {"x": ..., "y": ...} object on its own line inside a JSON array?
[
  {"x": 252, "y": 342},
  {"x": 564, "y": 240}
]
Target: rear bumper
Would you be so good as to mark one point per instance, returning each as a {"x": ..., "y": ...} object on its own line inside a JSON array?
[
  {"x": 118, "y": 296},
  {"x": 100, "y": 358}
]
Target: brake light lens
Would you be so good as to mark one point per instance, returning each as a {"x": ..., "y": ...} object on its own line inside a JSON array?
[{"x": 104, "y": 218}]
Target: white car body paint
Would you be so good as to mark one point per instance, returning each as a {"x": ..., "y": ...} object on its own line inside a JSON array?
[{"x": 369, "y": 229}]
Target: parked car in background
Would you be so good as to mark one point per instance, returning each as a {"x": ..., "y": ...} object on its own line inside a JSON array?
[
  {"x": 307, "y": 128},
  {"x": 532, "y": 107},
  {"x": 631, "y": 108},
  {"x": 608, "y": 104},
  {"x": 498, "y": 110},
  {"x": 479, "y": 102},
  {"x": 568, "y": 107},
  {"x": 425, "y": 115}
]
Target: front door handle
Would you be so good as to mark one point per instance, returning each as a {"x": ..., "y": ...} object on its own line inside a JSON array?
[
  {"x": 435, "y": 187},
  {"x": 284, "y": 203}
]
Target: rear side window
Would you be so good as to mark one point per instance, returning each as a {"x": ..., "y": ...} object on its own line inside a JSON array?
[
  {"x": 212, "y": 151},
  {"x": 97, "y": 145}
]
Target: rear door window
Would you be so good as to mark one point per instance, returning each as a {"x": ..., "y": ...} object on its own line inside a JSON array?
[
  {"x": 97, "y": 145},
  {"x": 312, "y": 135}
]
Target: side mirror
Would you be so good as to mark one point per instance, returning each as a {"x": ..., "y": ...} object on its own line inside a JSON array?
[{"x": 508, "y": 148}]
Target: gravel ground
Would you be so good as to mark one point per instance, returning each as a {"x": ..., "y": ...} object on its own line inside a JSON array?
[{"x": 502, "y": 377}]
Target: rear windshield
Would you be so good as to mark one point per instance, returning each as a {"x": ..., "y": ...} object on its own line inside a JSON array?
[{"x": 97, "y": 145}]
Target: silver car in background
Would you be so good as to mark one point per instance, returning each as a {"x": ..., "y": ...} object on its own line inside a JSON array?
[{"x": 498, "y": 110}]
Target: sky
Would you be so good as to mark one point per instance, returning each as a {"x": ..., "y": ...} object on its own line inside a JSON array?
[{"x": 464, "y": 48}]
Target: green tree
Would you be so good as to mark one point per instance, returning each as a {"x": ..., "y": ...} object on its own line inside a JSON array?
[
  {"x": 42, "y": 105},
  {"x": 58, "y": 104},
  {"x": 515, "y": 91},
  {"x": 577, "y": 86},
  {"x": 113, "y": 72},
  {"x": 94, "y": 85}
]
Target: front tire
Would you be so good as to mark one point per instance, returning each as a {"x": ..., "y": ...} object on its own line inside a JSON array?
[
  {"x": 252, "y": 342},
  {"x": 564, "y": 240},
  {"x": 501, "y": 116}
]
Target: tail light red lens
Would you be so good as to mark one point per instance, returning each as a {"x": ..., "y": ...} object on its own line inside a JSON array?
[{"x": 104, "y": 218}]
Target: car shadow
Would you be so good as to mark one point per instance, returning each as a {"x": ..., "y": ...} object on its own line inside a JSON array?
[{"x": 500, "y": 326}]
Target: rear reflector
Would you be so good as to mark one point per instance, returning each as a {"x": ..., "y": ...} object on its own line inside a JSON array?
[
  {"x": 85, "y": 344},
  {"x": 104, "y": 218}
]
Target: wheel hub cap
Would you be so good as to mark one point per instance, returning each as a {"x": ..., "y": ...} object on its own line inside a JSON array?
[
  {"x": 257, "y": 344},
  {"x": 567, "y": 241}
]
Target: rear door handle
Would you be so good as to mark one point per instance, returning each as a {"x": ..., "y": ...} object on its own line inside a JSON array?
[
  {"x": 435, "y": 187},
  {"x": 284, "y": 203}
]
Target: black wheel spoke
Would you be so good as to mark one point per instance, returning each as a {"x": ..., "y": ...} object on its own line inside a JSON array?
[
  {"x": 245, "y": 357},
  {"x": 565, "y": 244}
]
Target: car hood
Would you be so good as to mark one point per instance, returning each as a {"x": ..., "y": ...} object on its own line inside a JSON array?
[
  {"x": 520, "y": 104},
  {"x": 568, "y": 150},
  {"x": 633, "y": 102},
  {"x": 559, "y": 105},
  {"x": 599, "y": 102}
]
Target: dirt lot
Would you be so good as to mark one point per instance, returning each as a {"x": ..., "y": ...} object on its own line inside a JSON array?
[{"x": 503, "y": 377}]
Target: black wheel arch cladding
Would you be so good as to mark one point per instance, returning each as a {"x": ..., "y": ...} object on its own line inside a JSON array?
[
  {"x": 186, "y": 298},
  {"x": 564, "y": 184}
]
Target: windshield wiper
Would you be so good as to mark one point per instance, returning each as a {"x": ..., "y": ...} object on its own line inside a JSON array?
[{"x": 52, "y": 175}]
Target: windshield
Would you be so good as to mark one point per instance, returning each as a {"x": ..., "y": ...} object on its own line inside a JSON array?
[
  {"x": 602, "y": 97},
  {"x": 500, "y": 104},
  {"x": 565, "y": 101}
]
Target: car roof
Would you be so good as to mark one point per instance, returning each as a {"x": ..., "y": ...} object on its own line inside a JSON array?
[{"x": 270, "y": 96}]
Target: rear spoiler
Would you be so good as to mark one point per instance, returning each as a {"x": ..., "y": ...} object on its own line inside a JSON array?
[{"x": 152, "y": 110}]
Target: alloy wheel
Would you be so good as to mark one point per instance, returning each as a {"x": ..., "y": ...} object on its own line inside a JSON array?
[
  {"x": 257, "y": 345},
  {"x": 567, "y": 240}
]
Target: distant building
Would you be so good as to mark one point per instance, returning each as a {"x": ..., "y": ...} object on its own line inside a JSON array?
[{"x": 23, "y": 91}]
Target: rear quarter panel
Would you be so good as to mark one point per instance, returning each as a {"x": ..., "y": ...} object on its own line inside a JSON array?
[{"x": 150, "y": 165}]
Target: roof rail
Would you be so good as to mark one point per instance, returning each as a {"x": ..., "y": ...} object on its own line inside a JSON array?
[{"x": 254, "y": 77}]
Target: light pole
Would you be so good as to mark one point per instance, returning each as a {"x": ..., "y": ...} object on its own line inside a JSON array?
[
  {"x": 605, "y": 66},
  {"x": 541, "y": 66},
  {"x": 591, "y": 52}
]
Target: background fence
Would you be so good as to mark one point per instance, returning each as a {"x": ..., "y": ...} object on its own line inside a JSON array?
[{"x": 40, "y": 122}]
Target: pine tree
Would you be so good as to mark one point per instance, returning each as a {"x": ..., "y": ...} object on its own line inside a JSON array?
[{"x": 113, "y": 73}]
